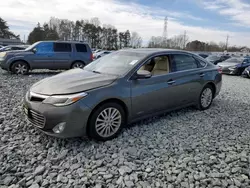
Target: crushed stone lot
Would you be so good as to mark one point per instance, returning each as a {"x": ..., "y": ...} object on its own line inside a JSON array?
[{"x": 185, "y": 148}]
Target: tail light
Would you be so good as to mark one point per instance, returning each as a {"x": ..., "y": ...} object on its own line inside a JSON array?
[
  {"x": 220, "y": 70},
  {"x": 92, "y": 57}
]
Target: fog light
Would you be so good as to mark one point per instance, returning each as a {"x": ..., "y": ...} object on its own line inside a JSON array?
[{"x": 59, "y": 127}]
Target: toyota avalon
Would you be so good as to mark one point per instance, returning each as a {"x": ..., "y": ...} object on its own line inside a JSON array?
[{"x": 120, "y": 88}]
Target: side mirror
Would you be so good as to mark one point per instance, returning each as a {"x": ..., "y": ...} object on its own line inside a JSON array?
[
  {"x": 34, "y": 50},
  {"x": 142, "y": 74}
]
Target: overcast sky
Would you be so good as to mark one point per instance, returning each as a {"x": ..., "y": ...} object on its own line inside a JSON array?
[{"x": 206, "y": 20}]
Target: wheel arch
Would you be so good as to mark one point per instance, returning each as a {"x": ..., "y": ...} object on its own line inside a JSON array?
[
  {"x": 16, "y": 60},
  {"x": 77, "y": 61},
  {"x": 114, "y": 100},
  {"x": 213, "y": 87}
]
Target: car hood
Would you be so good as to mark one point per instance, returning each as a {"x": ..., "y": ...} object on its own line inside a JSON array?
[
  {"x": 227, "y": 64},
  {"x": 72, "y": 81}
]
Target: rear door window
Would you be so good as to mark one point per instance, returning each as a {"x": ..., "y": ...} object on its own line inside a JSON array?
[
  {"x": 201, "y": 62},
  {"x": 81, "y": 48},
  {"x": 62, "y": 47},
  {"x": 182, "y": 62}
]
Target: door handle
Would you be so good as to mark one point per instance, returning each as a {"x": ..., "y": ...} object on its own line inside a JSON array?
[
  {"x": 202, "y": 74},
  {"x": 170, "y": 82}
]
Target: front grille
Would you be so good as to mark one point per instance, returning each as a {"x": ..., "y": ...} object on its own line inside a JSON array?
[{"x": 36, "y": 118}]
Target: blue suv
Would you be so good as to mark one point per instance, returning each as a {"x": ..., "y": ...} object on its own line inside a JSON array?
[{"x": 51, "y": 55}]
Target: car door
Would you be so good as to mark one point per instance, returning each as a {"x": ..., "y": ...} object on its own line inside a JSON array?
[
  {"x": 62, "y": 58},
  {"x": 187, "y": 75},
  {"x": 42, "y": 57},
  {"x": 152, "y": 94}
]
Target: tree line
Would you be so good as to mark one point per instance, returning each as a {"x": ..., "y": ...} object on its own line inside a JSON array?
[
  {"x": 108, "y": 37},
  {"x": 5, "y": 31},
  {"x": 91, "y": 31},
  {"x": 182, "y": 42}
]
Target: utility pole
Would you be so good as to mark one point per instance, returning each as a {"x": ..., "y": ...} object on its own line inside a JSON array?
[
  {"x": 227, "y": 42},
  {"x": 165, "y": 32},
  {"x": 184, "y": 39}
]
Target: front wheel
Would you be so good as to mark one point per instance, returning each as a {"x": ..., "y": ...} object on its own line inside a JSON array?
[
  {"x": 20, "y": 67},
  {"x": 206, "y": 98},
  {"x": 106, "y": 122},
  {"x": 78, "y": 64}
]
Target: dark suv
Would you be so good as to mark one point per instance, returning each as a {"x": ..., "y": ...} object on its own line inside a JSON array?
[{"x": 47, "y": 55}]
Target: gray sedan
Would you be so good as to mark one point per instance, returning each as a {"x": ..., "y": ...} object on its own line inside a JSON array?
[{"x": 120, "y": 88}]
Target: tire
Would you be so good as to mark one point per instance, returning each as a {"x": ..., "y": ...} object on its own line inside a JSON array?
[
  {"x": 206, "y": 98},
  {"x": 20, "y": 67},
  {"x": 78, "y": 64},
  {"x": 119, "y": 121}
]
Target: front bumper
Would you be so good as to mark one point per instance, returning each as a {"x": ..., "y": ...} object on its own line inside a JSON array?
[
  {"x": 229, "y": 71},
  {"x": 75, "y": 117},
  {"x": 3, "y": 64}
]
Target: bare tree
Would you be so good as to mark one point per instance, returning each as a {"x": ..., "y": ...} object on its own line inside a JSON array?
[{"x": 136, "y": 40}]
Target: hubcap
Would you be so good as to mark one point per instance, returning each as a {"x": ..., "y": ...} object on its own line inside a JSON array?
[
  {"x": 206, "y": 97},
  {"x": 21, "y": 69},
  {"x": 108, "y": 122},
  {"x": 78, "y": 65}
]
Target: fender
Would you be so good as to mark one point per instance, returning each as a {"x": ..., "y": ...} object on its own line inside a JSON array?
[{"x": 16, "y": 58}]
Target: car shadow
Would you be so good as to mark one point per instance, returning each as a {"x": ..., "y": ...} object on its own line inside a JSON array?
[{"x": 42, "y": 73}]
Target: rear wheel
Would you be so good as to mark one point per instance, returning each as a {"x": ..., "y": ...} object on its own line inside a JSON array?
[
  {"x": 20, "y": 67},
  {"x": 206, "y": 98},
  {"x": 106, "y": 122},
  {"x": 78, "y": 64}
]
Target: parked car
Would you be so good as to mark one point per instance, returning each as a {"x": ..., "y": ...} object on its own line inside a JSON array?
[
  {"x": 217, "y": 59},
  {"x": 12, "y": 48},
  {"x": 234, "y": 66},
  {"x": 101, "y": 54},
  {"x": 47, "y": 55},
  {"x": 123, "y": 87},
  {"x": 246, "y": 72},
  {"x": 97, "y": 50},
  {"x": 203, "y": 55},
  {"x": 247, "y": 57}
]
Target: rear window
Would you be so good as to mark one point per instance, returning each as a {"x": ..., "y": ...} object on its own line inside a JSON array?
[
  {"x": 62, "y": 47},
  {"x": 81, "y": 48}
]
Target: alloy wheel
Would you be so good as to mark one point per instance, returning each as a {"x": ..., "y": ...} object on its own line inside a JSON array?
[
  {"x": 78, "y": 65},
  {"x": 206, "y": 97},
  {"x": 21, "y": 69},
  {"x": 108, "y": 122}
]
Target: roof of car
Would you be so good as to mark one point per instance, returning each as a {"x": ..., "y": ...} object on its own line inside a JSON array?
[
  {"x": 152, "y": 50},
  {"x": 62, "y": 41}
]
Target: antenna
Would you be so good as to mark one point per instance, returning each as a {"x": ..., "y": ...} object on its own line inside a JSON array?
[{"x": 165, "y": 32}]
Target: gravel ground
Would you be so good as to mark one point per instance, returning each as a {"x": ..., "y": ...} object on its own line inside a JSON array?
[{"x": 185, "y": 148}]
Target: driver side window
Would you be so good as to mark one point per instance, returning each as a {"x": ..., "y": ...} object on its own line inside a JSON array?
[
  {"x": 158, "y": 65},
  {"x": 44, "y": 47}
]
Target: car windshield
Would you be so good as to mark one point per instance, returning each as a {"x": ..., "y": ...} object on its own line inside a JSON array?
[
  {"x": 212, "y": 57},
  {"x": 234, "y": 60},
  {"x": 32, "y": 46},
  {"x": 116, "y": 63}
]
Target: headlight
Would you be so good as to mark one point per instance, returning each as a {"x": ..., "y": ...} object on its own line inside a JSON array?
[
  {"x": 2, "y": 54},
  {"x": 232, "y": 68},
  {"x": 63, "y": 100}
]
